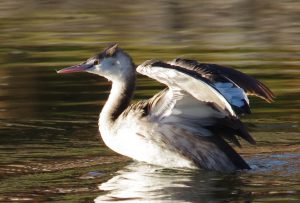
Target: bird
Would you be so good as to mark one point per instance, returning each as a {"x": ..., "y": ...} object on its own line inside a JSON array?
[{"x": 194, "y": 122}]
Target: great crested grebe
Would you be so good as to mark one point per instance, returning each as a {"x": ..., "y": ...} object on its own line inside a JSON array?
[{"x": 184, "y": 125}]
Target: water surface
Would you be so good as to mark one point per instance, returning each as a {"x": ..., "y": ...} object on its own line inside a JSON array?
[{"x": 50, "y": 148}]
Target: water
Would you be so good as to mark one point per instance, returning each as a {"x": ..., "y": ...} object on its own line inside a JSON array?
[{"x": 50, "y": 148}]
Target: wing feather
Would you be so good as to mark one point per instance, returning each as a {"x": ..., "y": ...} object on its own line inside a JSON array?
[
  {"x": 178, "y": 78},
  {"x": 216, "y": 72},
  {"x": 208, "y": 152},
  {"x": 192, "y": 103}
]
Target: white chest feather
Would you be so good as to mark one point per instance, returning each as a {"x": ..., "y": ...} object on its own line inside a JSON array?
[{"x": 128, "y": 142}]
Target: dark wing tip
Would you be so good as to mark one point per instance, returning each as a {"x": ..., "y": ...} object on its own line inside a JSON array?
[
  {"x": 243, "y": 133},
  {"x": 235, "y": 158},
  {"x": 266, "y": 93},
  {"x": 235, "y": 126},
  {"x": 249, "y": 84}
]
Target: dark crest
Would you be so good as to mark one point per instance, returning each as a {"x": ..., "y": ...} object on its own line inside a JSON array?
[{"x": 111, "y": 50}]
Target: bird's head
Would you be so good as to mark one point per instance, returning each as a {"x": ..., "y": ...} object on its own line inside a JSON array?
[{"x": 112, "y": 63}]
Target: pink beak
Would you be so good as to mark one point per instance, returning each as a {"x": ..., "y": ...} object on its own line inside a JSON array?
[{"x": 76, "y": 68}]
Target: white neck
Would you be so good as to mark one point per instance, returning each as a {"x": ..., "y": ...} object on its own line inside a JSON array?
[
  {"x": 122, "y": 75},
  {"x": 118, "y": 100}
]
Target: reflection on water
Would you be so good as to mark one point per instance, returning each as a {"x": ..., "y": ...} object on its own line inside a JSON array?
[
  {"x": 141, "y": 182},
  {"x": 48, "y": 122}
]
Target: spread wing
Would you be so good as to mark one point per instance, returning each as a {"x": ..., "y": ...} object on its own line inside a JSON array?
[
  {"x": 177, "y": 78},
  {"x": 229, "y": 77},
  {"x": 195, "y": 112}
]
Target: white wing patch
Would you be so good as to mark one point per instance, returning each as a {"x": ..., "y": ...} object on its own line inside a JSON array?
[
  {"x": 165, "y": 106},
  {"x": 196, "y": 87}
]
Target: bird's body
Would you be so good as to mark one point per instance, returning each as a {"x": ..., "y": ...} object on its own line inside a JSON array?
[{"x": 185, "y": 124}]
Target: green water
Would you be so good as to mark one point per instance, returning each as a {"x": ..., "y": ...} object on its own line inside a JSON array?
[{"x": 50, "y": 148}]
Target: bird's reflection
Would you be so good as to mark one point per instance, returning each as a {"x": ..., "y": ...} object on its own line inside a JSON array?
[{"x": 139, "y": 182}]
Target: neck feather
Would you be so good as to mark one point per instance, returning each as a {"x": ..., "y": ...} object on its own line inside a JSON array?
[{"x": 119, "y": 99}]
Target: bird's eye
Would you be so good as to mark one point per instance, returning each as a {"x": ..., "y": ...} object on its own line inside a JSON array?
[{"x": 96, "y": 62}]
